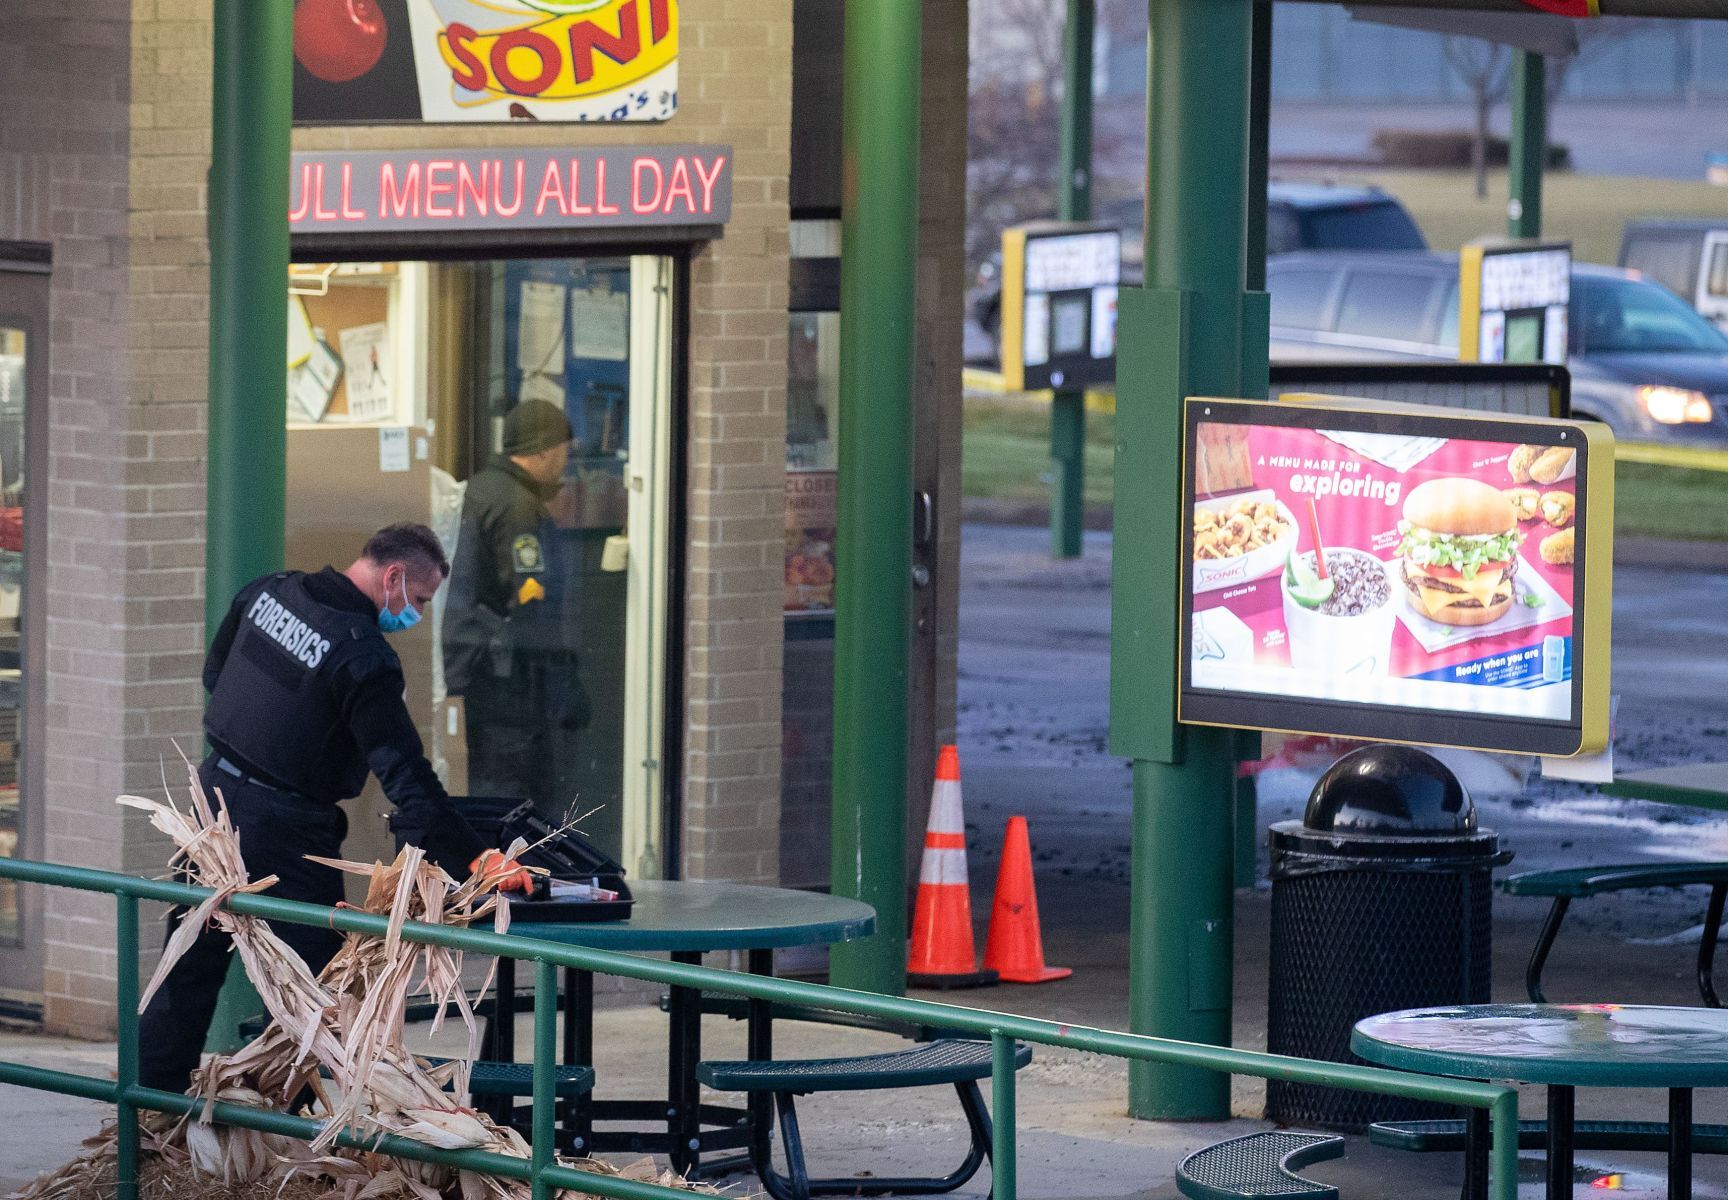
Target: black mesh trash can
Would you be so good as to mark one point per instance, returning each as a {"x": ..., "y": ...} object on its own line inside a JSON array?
[{"x": 1380, "y": 901}]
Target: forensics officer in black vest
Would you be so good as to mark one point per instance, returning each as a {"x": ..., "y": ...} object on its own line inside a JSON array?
[{"x": 306, "y": 699}]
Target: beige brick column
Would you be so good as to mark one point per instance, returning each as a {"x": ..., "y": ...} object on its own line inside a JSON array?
[
  {"x": 739, "y": 63},
  {"x": 101, "y": 157}
]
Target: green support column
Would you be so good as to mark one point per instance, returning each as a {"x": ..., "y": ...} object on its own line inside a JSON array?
[
  {"x": 1254, "y": 277},
  {"x": 873, "y": 563},
  {"x": 1074, "y": 203},
  {"x": 1195, "y": 330},
  {"x": 1529, "y": 148},
  {"x": 251, "y": 119}
]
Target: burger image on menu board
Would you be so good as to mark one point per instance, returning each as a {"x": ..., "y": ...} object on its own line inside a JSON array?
[{"x": 1459, "y": 546}]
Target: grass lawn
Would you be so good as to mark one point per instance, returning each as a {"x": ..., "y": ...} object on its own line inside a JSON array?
[
  {"x": 1007, "y": 450},
  {"x": 1006, "y": 456},
  {"x": 1668, "y": 502}
]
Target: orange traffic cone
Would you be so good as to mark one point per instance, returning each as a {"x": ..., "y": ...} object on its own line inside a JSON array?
[
  {"x": 942, "y": 952},
  {"x": 1015, "y": 948}
]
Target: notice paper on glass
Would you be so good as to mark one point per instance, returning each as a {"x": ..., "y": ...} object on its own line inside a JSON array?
[
  {"x": 393, "y": 448},
  {"x": 599, "y": 325},
  {"x": 540, "y": 328},
  {"x": 367, "y": 367}
]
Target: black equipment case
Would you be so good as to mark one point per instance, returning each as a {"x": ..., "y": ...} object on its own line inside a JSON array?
[{"x": 565, "y": 856}]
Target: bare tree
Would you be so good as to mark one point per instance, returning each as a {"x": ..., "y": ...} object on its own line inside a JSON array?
[
  {"x": 1014, "y": 122},
  {"x": 1594, "y": 39},
  {"x": 1486, "y": 69}
]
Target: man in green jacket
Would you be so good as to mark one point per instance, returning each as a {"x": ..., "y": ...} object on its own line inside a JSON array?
[{"x": 508, "y": 635}]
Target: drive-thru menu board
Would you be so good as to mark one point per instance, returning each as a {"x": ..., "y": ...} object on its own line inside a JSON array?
[
  {"x": 1451, "y": 598},
  {"x": 1059, "y": 287}
]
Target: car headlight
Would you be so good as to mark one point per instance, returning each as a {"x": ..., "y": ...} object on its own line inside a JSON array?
[{"x": 1675, "y": 406}]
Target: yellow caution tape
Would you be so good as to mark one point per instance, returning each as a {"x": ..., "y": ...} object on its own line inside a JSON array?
[
  {"x": 977, "y": 379},
  {"x": 1692, "y": 458}
]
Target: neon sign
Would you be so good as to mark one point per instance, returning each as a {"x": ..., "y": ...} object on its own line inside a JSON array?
[{"x": 376, "y": 191}]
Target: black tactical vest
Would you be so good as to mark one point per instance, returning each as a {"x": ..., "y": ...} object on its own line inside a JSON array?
[{"x": 277, "y": 704}]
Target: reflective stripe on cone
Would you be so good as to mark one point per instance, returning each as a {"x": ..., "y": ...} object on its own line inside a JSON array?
[{"x": 943, "y": 954}]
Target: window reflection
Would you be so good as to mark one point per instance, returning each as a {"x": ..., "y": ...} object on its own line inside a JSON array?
[{"x": 12, "y": 361}]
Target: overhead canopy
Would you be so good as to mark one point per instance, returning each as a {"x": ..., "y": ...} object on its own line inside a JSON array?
[
  {"x": 1706, "y": 9},
  {"x": 1544, "y": 33}
]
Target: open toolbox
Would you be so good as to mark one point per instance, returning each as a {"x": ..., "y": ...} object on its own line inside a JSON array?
[{"x": 565, "y": 855}]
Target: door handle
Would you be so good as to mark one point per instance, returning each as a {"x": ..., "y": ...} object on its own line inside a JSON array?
[{"x": 923, "y": 520}]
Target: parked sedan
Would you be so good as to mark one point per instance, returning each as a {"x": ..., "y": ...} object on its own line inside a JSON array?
[{"x": 1642, "y": 360}]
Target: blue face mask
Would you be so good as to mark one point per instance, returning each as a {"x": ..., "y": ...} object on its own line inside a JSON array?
[{"x": 409, "y": 617}]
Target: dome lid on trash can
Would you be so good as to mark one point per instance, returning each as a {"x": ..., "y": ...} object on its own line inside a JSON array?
[
  {"x": 1385, "y": 808},
  {"x": 1390, "y": 790}
]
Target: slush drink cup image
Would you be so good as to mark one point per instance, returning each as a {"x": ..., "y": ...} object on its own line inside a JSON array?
[{"x": 1349, "y": 632}]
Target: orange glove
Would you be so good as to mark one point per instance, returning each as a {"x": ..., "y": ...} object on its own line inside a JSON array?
[{"x": 506, "y": 874}]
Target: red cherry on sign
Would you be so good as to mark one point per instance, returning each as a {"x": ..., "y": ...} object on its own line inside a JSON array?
[{"x": 338, "y": 40}]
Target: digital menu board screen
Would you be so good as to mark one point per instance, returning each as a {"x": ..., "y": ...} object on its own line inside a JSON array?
[{"x": 1387, "y": 574}]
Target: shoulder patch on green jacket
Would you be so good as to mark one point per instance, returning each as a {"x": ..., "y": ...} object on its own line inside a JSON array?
[{"x": 525, "y": 553}]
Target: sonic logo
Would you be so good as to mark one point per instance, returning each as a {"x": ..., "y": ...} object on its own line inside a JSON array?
[{"x": 573, "y": 50}]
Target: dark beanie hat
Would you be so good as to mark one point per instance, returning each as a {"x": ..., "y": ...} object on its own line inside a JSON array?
[{"x": 533, "y": 426}]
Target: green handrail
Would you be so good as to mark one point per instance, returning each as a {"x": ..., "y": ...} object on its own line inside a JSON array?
[{"x": 544, "y": 1176}]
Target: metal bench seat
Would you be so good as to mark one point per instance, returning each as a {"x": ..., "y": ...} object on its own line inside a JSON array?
[
  {"x": 1425, "y": 1136},
  {"x": 1260, "y": 1164},
  {"x": 1576, "y": 883},
  {"x": 737, "y": 1008},
  {"x": 489, "y": 1078},
  {"x": 948, "y": 1061}
]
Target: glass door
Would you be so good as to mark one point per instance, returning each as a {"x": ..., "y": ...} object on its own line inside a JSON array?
[
  {"x": 522, "y": 409},
  {"x": 23, "y": 384}
]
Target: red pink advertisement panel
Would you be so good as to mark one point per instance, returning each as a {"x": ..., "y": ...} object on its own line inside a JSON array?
[{"x": 1391, "y": 572}]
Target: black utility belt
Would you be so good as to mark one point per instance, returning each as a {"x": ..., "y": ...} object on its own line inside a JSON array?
[{"x": 286, "y": 795}]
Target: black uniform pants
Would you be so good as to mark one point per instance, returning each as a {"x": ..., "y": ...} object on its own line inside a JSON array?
[
  {"x": 510, "y": 749},
  {"x": 276, "y": 830}
]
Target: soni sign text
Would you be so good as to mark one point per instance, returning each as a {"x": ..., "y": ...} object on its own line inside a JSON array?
[{"x": 377, "y": 191}]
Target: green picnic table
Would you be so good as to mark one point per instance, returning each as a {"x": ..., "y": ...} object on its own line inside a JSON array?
[
  {"x": 1701, "y": 785},
  {"x": 685, "y": 918},
  {"x": 1563, "y": 1047}
]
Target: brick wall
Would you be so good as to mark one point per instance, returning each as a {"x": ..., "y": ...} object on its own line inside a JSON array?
[
  {"x": 64, "y": 91},
  {"x": 164, "y": 448}
]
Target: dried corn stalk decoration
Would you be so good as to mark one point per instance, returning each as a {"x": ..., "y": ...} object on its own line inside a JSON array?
[{"x": 338, "y": 1037}]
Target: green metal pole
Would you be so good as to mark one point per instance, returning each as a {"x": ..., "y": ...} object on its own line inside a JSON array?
[
  {"x": 873, "y": 567},
  {"x": 541, "y": 1148},
  {"x": 1067, "y": 473},
  {"x": 1074, "y": 196},
  {"x": 251, "y": 119},
  {"x": 1004, "y": 1168},
  {"x": 1073, "y": 203},
  {"x": 1195, "y": 330},
  {"x": 126, "y": 1051},
  {"x": 1248, "y": 747},
  {"x": 1529, "y": 148}
]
